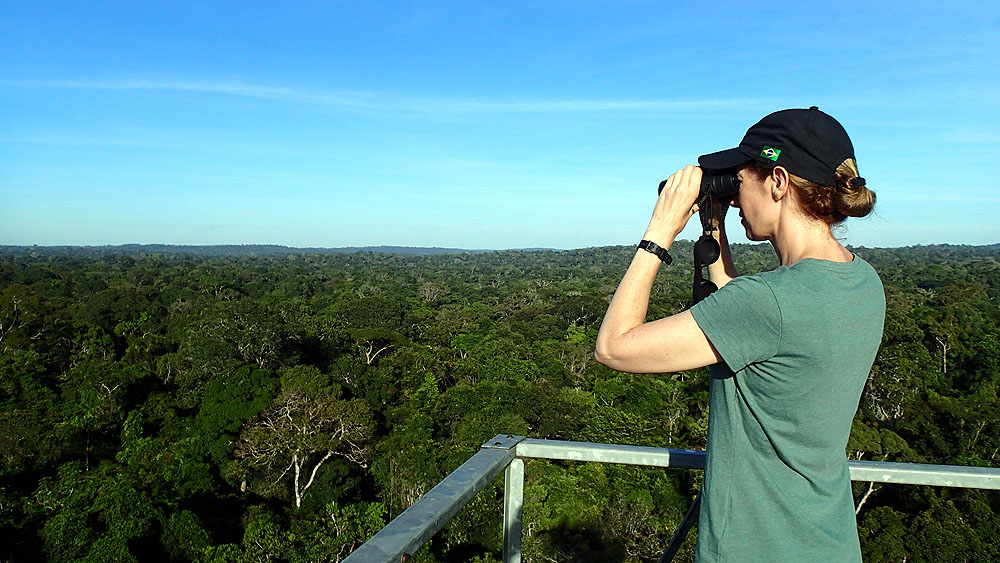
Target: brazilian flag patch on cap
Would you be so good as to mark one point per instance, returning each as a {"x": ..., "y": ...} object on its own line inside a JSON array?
[{"x": 770, "y": 153}]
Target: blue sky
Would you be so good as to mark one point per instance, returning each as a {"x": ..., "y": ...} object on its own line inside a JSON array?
[{"x": 472, "y": 124}]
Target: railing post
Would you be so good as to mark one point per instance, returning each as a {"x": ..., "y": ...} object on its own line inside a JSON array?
[{"x": 513, "y": 501}]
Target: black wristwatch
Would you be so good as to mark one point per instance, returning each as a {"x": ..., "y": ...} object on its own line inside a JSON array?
[{"x": 659, "y": 251}]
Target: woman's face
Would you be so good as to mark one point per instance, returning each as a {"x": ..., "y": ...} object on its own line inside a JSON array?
[{"x": 756, "y": 205}]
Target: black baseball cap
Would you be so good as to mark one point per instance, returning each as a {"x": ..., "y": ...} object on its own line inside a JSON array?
[{"x": 807, "y": 142}]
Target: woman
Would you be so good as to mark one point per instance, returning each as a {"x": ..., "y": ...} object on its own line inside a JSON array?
[{"x": 790, "y": 349}]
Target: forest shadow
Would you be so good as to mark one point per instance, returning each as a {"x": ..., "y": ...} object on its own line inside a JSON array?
[{"x": 584, "y": 543}]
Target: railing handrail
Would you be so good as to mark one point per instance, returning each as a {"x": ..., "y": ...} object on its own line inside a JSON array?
[
  {"x": 407, "y": 532},
  {"x": 418, "y": 523}
]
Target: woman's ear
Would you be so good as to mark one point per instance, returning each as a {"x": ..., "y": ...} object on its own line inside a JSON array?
[{"x": 781, "y": 182}]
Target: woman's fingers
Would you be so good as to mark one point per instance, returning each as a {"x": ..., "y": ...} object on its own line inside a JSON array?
[
  {"x": 682, "y": 186},
  {"x": 677, "y": 201}
]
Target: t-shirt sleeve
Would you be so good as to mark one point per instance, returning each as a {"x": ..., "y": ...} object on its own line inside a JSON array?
[{"x": 742, "y": 320}]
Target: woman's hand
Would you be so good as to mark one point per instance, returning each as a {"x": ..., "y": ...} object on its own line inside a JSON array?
[
  {"x": 626, "y": 342},
  {"x": 719, "y": 209},
  {"x": 675, "y": 206},
  {"x": 722, "y": 271}
]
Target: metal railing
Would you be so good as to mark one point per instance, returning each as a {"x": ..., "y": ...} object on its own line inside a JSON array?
[{"x": 418, "y": 523}]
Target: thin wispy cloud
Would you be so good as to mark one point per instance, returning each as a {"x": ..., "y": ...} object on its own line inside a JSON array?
[{"x": 381, "y": 101}]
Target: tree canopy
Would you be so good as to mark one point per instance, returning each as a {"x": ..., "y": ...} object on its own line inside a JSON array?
[{"x": 209, "y": 406}]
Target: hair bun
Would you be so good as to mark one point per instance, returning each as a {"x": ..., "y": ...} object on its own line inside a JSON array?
[{"x": 855, "y": 199}]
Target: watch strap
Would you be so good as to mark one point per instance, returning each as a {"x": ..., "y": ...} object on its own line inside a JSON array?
[{"x": 659, "y": 251}]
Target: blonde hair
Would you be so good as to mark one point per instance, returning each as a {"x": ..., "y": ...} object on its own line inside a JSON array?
[{"x": 830, "y": 204}]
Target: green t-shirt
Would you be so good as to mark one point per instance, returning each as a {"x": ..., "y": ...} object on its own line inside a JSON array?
[{"x": 797, "y": 343}]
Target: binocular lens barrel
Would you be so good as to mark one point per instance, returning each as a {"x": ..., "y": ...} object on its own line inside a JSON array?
[{"x": 715, "y": 185}]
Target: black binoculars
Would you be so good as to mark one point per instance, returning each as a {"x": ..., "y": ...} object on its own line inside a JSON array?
[
  {"x": 722, "y": 184},
  {"x": 715, "y": 184}
]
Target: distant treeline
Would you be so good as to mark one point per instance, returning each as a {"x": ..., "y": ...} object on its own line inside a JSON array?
[
  {"x": 219, "y": 250},
  {"x": 261, "y": 403}
]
